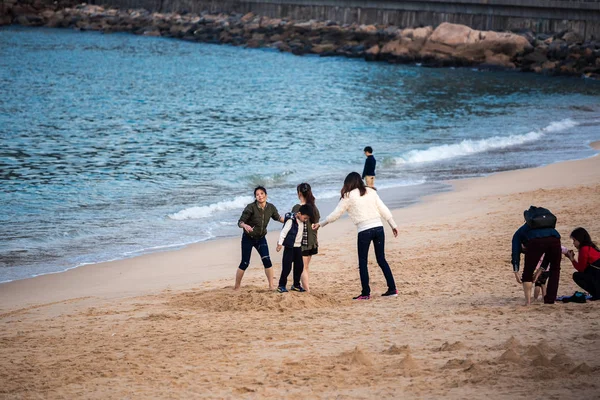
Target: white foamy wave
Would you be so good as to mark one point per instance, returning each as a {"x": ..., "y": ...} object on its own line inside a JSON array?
[
  {"x": 206, "y": 211},
  {"x": 467, "y": 147},
  {"x": 560, "y": 125}
]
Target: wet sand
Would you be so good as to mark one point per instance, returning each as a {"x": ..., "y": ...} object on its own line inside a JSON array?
[{"x": 169, "y": 325}]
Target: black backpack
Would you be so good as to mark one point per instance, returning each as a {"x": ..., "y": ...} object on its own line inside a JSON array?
[{"x": 539, "y": 218}]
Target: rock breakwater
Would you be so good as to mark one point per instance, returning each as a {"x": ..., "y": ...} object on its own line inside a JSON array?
[{"x": 564, "y": 53}]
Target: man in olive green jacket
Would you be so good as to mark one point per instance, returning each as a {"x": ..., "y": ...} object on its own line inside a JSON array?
[{"x": 254, "y": 221}]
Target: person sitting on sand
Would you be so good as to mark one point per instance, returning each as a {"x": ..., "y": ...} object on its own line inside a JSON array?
[
  {"x": 587, "y": 275},
  {"x": 365, "y": 209},
  {"x": 537, "y": 241},
  {"x": 291, "y": 237},
  {"x": 311, "y": 247},
  {"x": 254, "y": 221}
]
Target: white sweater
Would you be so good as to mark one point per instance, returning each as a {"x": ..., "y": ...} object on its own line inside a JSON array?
[{"x": 365, "y": 211}]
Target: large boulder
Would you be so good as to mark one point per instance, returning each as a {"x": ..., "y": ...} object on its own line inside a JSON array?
[
  {"x": 372, "y": 52},
  {"x": 501, "y": 61},
  {"x": 369, "y": 29},
  {"x": 465, "y": 46},
  {"x": 395, "y": 48},
  {"x": 323, "y": 48},
  {"x": 453, "y": 35},
  {"x": 505, "y": 42},
  {"x": 572, "y": 38},
  {"x": 422, "y": 33}
]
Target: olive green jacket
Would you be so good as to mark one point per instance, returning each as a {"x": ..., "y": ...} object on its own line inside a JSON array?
[
  {"x": 258, "y": 218},
  {"x": 312, "y": 235}
]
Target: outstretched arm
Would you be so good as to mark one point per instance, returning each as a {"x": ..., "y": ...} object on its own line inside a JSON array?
[{"x": 340, "y": 209}]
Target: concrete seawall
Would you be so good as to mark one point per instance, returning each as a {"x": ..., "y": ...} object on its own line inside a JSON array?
[{"x": 541, "y": 16}]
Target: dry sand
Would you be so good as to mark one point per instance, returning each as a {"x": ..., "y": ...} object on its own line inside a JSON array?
[{"x": 168, "y": 325}]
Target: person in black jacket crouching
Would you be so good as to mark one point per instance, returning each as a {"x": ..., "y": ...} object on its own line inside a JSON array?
[{"x": 539, "y": 237}]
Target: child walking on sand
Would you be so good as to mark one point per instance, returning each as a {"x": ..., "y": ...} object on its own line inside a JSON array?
[
  {"x": 291, "y": 238},
  {"x": 310, "y": 245}
]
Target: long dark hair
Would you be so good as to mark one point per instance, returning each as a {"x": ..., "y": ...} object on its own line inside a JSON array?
[
  {"x": 306, "y": 192},
  {"x": 584, "y": 238},
  {"x": 353, "y": 181}
]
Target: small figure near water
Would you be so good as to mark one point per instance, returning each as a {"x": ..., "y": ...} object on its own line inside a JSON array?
[
  {"x": 587, "y": 274},
  {"x": 539, "y": 237},
  {"x": 254, "y": 221},
  {"x": 366, "y": 210},
  {"x": 369, "y": 170},
  {"x": 292, "y": 237},
  {"x": 311, "y": 247}
]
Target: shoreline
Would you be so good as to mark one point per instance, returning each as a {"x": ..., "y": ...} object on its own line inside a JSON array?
[
  {"x": 67, "y": 283},
  {"x": 154, "y": 327},
  {"x": 447, "y": 45},
  {"x": 388, "y": 194}
]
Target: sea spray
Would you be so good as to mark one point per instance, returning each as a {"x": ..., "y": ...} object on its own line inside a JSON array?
[
  {"x": 206, "y": 211},
  {"x": 469, "y": 146}
]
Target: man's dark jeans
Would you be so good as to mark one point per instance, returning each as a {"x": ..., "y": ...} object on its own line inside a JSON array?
[{"x": 377, "y": 236}]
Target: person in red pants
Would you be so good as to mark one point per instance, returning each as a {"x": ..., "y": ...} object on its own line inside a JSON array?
[{"x": 537, "y": 241}]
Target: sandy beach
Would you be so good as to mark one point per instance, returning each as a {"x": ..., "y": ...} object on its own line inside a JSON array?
[{"x": 169, "y": 325}]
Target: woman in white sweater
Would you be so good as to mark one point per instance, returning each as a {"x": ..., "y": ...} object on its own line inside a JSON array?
[{"x": 366, "y": 210}]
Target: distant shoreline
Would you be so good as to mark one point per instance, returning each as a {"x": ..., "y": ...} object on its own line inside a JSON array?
[{"x": 448, "y": 45}]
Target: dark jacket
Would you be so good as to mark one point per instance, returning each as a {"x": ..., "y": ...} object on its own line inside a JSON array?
[
  {"x": 369, "y": 169},
  {"x": 258, "y": 218},
  {"x": 312, "y": 235},
  {"x": 290, "y": 238},
  {"x": 522, "y": 236}
]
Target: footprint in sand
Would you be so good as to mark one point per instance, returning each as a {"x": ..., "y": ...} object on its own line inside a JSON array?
[
  {"x": 458, "y": 364},
  {"x": 451, "y": 347},
  {"x": 541, "y": 361},
  {"x": 535, "y": 351},
  {"x": 581, "y": 369},
  {"x": 356, "y": 357},
  {"x": 510, "y": 356},
  {"x": 562, "y": 359},
  {"x": 394, "y": 350},
  {"x": 511, "y": 343},
  {"x": 408, "y": 367},
  {"x": 545, "y": 347}
]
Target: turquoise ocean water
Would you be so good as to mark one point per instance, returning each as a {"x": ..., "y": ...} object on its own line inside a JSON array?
[{"x": 116, "y": 145}]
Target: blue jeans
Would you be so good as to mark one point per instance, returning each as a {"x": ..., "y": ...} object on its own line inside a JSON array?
[
  {"x": 260, "y": 245},
  {"x": 377, "y": 236}
]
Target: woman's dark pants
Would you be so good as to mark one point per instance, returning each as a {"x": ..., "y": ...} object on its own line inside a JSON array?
[
  {"x": 260, "y": 245},
  {"x": 535, "y": 248},
  {"x": 377, "y": 236},
  {"x": 589, "y": 280}
]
